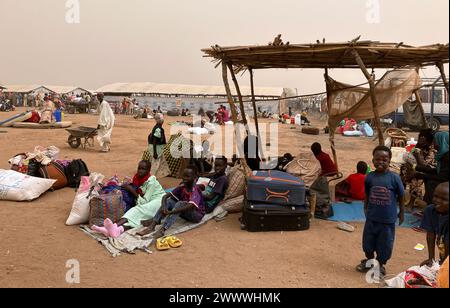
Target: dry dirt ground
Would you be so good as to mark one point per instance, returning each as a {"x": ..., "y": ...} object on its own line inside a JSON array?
[{"x": 35, "y": 243}]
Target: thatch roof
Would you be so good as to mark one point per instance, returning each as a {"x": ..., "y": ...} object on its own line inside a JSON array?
[
  {"x": 182, "y": 89},
  {"x": 330, "y": 55}
]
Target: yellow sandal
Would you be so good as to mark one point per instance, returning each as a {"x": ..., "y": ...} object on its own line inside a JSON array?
[
  {"x": 174, "y": 241},
  {"x": 162, "y": 244}
]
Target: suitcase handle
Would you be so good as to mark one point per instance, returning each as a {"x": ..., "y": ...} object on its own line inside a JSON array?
[{"x": 272, "y": 194}]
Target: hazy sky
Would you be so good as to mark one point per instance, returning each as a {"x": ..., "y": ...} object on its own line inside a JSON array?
[{"x": 160, "y": 41}]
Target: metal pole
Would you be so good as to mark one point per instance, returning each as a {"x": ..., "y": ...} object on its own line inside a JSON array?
[{"x": 432, "y": 103}]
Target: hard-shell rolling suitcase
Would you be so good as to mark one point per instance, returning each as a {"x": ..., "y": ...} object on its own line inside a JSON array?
[
  {"x": 276, "y": 187},
  {"x": 259, "y": 217}
]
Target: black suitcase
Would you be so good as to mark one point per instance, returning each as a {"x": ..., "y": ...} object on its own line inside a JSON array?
[{"x": 258, "y": 217}]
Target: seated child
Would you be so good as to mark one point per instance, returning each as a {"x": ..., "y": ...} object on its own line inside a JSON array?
[
  {"x": 435, "y": 222},
  {"x": 132, "y": 191},
  {"x": 328, "y": 166},
  {"x": 353, "y": 186},
  {"x": 186, "y": 201},
  {"x": 148, "y": 194},
  {"x": 217, "y": 186}
]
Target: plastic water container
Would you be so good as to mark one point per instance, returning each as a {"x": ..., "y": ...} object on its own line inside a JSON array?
[{"x": 58, "y": 115}]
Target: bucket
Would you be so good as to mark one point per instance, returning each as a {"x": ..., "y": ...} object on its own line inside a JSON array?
[{"x": 58, "y": 115}]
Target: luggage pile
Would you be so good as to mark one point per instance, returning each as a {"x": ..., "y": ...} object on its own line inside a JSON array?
[{"x": 275, "y": 201}]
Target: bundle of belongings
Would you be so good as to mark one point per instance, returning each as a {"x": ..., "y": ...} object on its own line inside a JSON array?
[
  {"x": 349, "y": 127},
  {"x": 417, "y": 277},
  {"x": 275, "y": 201},
  {"x": 44, "y": 163},
  {"x": 233, "y": 201}
]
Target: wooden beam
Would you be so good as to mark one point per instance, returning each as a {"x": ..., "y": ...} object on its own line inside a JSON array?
[
  {"x": 440, "y": 66},
  {"x": 331, "y": 131},
  {"x": 228, "y": 90},
  {"x": 252, "y": 85},
  {"x": 238, "y": 91},
  {"x": 419, "y": 100},
  {"x": 372, "y": 95}
]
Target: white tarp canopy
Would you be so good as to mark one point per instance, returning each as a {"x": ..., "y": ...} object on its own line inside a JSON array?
[
  {"x": 25, "y": 88},
  {"x": 66, "y": 89}
]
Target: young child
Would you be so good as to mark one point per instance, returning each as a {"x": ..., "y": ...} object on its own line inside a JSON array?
[
  {"x": 217, "y": 186},
  {"x": 354, "y": 184},
  {"x": 132, "y": 191},
  {"x": 383, "y": 190},
  {"x": 435, "y": 222},
  {"x": 148, "y": 193},
  {"x": 327, "y": 165},
  {"x": 186, "y": 201}
]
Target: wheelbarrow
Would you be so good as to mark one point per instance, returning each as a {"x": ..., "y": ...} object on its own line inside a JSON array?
[{"x": 79, "y": 133}]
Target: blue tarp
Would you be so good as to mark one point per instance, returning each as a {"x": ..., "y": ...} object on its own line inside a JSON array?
[{"x": 354, "y": 212}]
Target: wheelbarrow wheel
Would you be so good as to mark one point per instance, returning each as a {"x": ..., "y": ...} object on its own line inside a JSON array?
[{"x": 74, "y": 142}]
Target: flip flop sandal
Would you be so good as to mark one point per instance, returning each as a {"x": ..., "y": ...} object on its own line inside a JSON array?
[
  {"x": 162, "y": 244},
  {"x": 345, "y": 227},
  {"x": 174, "y": 242}
]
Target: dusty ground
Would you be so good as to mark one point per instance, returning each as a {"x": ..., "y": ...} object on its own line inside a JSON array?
[{"x": 35, "y": 244}]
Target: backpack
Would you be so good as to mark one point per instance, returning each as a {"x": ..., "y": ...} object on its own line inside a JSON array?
[{"x": 74, "y": 171}]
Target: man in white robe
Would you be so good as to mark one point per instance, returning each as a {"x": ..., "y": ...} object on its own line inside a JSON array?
[{"x": 105, "y": 123}]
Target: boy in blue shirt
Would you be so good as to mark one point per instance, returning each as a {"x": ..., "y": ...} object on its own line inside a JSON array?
[
  {"x": 217, "y": 186},
  {"x": 383, "y": 189},
  {"x": 435, "y": 222}
]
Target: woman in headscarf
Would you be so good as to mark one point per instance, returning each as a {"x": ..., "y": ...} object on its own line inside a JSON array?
[
  {"x": 105, "y": 123},
  {"x": 424, "y": 146},
  {"x": 434, "y": 176},
  {"x": 156, "y": 143}
]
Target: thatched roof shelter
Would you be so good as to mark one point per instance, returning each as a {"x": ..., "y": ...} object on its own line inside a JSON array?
[{"x": 363, "y": 55}]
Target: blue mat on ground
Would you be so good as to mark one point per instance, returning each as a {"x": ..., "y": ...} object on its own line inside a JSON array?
[
  {"x": 354, "y": 212},
  {"x": 169, "y": 190}
]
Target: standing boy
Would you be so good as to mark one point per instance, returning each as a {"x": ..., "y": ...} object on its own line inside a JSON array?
[
  {"x": 384, "y": 189},
  {"x": 435, "y": 222}
]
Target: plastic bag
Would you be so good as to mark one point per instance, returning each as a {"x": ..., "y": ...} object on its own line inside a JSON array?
[{"x": 89, "y": 187}]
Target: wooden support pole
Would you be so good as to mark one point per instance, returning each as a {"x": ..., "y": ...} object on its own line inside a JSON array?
[
  {"x": 238, "y": 91},
  {"x": 419, "y": 100},
  {"x": 332, "y": 131},
  {"x": 252, "y": 85},
  {"x": 440, "y": 66},
  {"x": 372, "y": 95},
  {"x": 258, "y": 134},
  {"x": 228, "y": 90},
  {"x": 422, "y": 111}
]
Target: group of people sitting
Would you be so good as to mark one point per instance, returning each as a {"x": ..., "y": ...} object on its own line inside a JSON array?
[{"x": 151, "y": 204}]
